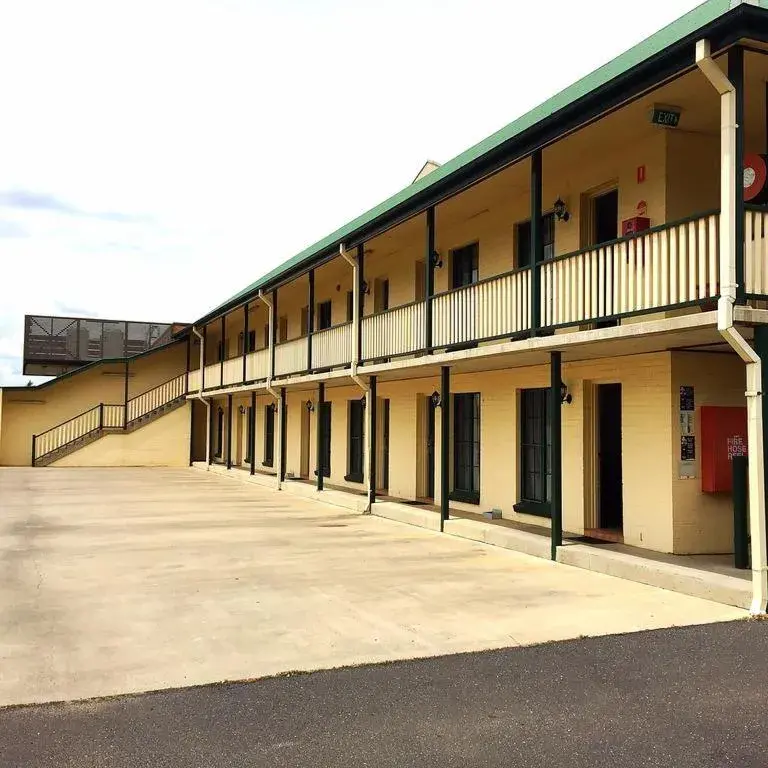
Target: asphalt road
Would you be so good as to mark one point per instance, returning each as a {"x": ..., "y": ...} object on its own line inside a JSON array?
[{"x": 696, "y": 696}]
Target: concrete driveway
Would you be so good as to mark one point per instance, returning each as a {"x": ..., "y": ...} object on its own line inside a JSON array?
[{"x": 124, "y": 580}]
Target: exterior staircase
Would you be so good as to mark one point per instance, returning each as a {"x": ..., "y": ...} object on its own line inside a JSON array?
[{"x": 105, "y": 418}]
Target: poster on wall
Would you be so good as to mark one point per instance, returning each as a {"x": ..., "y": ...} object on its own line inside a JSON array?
[
  {"x": 687, "y": 421},
  {"x": 687, "y": 434}
]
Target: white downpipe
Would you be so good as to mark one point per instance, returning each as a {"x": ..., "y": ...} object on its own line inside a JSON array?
[
  {"x": 203, "y": 400},
  {"x": 272, "y": 391},
  {"x": 730, "y": 333},
  {"x": 355, "y": 317},
  {"x": 353, "y": 358}
]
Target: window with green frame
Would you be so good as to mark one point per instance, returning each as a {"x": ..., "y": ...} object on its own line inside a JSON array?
[
  {"x": 466, "y": 447},
  {"x": 535, "y": 452}
]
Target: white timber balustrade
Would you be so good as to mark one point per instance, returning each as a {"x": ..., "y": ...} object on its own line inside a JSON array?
[
  {"x": 666, "y": 266},
  {"x": 156, "y": 397},
  {"x": 395, "y": 332},
  {"x": 257, "y": 365},
  {"x": 67, "y": 432},
  {"x": 756, "y": 253},
  {"x": 233, "y": 371},
  {"x": 291, "y": 356},
  {"x": 212, "y": 375},
  {"x": 113, "y": 417},
  {"x": 194, "y": 380},
  {"x": 332, "y": 346},
  {"x": 493, "y": 308}
]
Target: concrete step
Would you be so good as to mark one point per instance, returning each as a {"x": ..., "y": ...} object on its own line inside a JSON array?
[
  {"x": 403, "y": 513},
  {"x": 717, "y": 587}
]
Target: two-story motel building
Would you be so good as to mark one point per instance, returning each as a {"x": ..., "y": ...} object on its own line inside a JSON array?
[{"x": 534, "y": 327}]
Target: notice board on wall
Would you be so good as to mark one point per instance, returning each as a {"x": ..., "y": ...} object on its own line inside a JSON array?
[{"x": 687, "y": 419}]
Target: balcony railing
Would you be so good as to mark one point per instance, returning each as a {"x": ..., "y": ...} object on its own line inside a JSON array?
[
  {"x": 494, "y": 308},
  {"x": 394, "y": 332},
  {"x": 756, "y": 253},
  {"x": 233, "y": 371},
  {"x": 332, "y": 347},
  {"x": 194, "y": 380},
  {"x": 291, "y": 357},
  {"x": 670, "y": 266},
  {"x": 212, "y": 375},
  {"x": 257, "y": 365},
  {"x": 666, "y": 266}
]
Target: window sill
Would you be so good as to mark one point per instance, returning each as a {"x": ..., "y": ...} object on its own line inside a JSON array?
[
  {"x": 354, "y": 478},
  {"x": 538, "y": 508},
  {"x": 267, "y": 463},
  {"x": 465, "y": 497}
]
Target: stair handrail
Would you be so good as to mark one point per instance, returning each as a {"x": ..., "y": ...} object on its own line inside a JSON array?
[
  {"x": 157, "y": 386},
  {"x": 180, "y": 378},
  {"x": 62, "y": 423}
]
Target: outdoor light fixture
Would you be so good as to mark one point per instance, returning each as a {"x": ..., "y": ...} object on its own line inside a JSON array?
[
  {"x": 565, "y": 395},
  {"x": 366, "y": 288},
  {"x": 310, "y": 406},
  {"x": 560, "y": 210},
  {"x": 437, "y": 260},
  {"x": 272, "y": 407},
  {"x": 364, "y": 400},
  {"x": 436, "y": 400},
  {"x": 242, "y": 410}
]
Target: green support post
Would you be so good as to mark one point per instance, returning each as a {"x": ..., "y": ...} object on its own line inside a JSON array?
[
  {"x": 556, "y": 460},
  {"x": 445, "y": 442},
  {"x": 740, "y": 518}
]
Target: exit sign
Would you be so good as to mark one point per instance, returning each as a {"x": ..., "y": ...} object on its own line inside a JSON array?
[{"x": 666, "y": 116}]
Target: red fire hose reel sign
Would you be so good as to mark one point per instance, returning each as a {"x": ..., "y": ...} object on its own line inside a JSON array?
[
  {"x": 755, "y": 174},
  {"x": 737, "y": 446}
]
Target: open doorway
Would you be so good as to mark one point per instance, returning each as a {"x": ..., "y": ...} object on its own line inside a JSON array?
[
  {"x": 305, "y": 437},
  {"x": 382, "y": 448},
  {"x": 425, "y": 448},
  {"x": 609, "y": 497},
  {"x": 430, "y": 487}
]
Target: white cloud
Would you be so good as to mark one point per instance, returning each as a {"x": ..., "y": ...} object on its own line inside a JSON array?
[{"x": 232, "y": 134}]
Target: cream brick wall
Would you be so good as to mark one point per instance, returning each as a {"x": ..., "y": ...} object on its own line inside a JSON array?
[
  {"x": 703, "y": 522},
  {"x": 646, "y": 414},
  {"x": 163, "y": 442},
  {"x": 34, "y": 410}
]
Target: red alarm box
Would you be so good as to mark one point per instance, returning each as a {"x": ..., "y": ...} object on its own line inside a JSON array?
[
  {"x": 634, "y": 225},
  {"x": 723, "y": 436}
]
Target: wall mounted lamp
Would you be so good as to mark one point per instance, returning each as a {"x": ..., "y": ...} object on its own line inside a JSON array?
[
  {"x": 560, "y": 210},
  {"x": 436, "y": 400},
  {"x": 241, "y": 409},
  {"x": 565, "y": 395},
  {"x": 310, "y": 406},
  {"x": 437, "y": 260}
]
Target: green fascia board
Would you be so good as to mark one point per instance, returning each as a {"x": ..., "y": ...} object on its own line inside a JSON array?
[
  {"x": 673, "y": 33},
  {"x": 91, "y": 366}
]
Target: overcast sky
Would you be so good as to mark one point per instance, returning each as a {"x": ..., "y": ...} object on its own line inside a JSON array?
[{"x": 157, "y": 156}]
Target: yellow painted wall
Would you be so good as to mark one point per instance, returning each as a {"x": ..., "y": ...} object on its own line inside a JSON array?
[
  {"x": 152, "y": 370},
  {"x": 647, "y": 446},
  {"x": 693, "y": 173},
  {"x": 163, "y": 442},
  {"x": 703, "y": 522},
  {"x": 33, "y": 410}
]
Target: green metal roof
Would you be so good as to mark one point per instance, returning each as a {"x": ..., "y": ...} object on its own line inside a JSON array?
[{"x": 675, "y": 32}]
